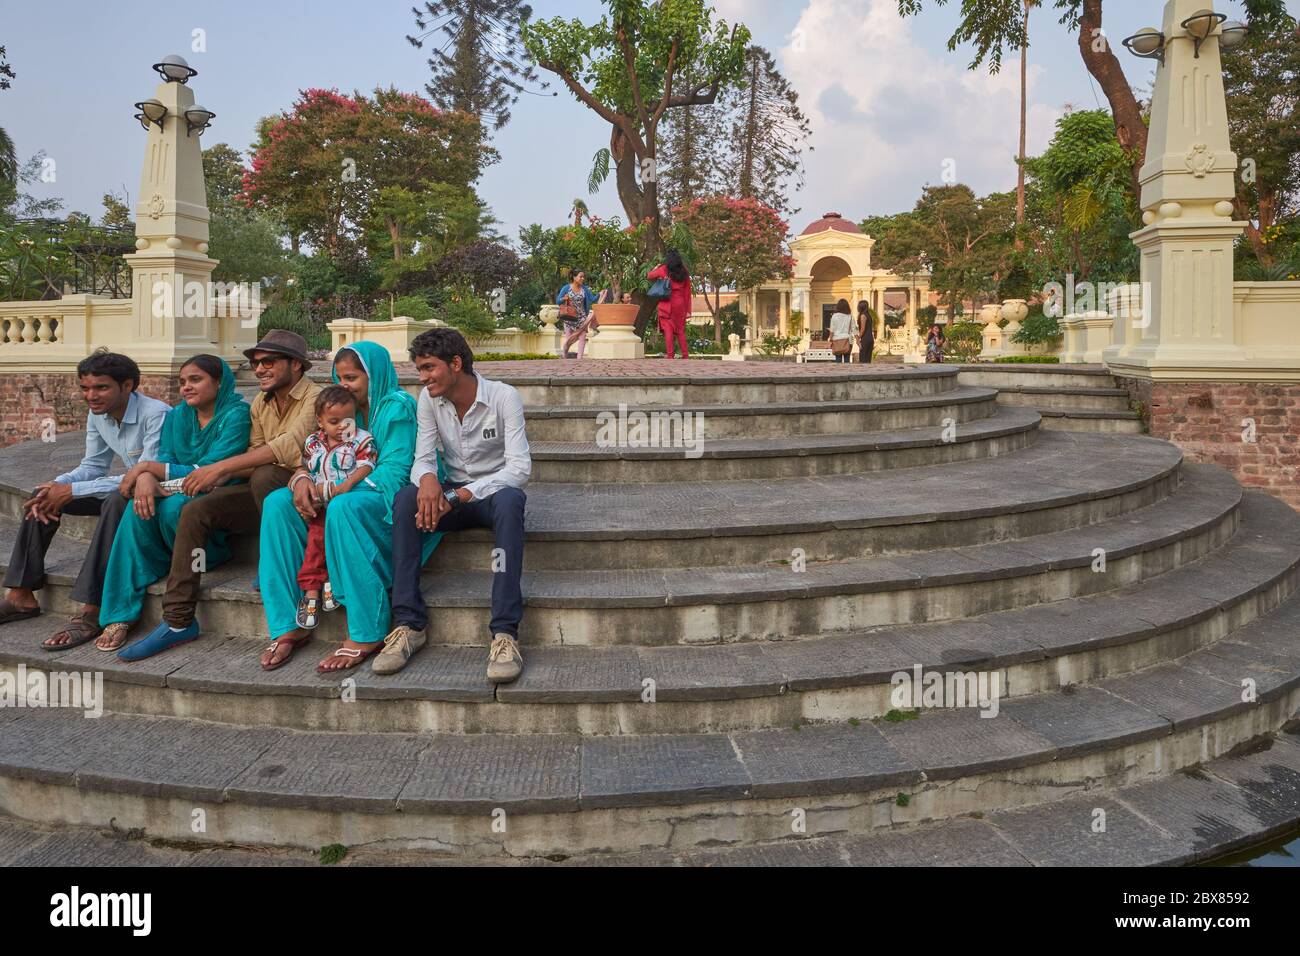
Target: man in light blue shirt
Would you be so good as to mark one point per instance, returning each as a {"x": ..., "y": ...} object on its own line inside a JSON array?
[{"x": 121, "y": 423}]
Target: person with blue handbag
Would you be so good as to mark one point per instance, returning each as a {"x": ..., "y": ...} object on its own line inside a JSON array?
[{"x": 672, "y": 287}]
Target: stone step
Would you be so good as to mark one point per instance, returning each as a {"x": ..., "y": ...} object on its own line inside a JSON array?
[
  {"x": 597, "y": 423},
  {"x": 1193, "y": 816},
  {"x": 600, "y": 690},
  {"x": 1068, "y": 399},
  {"x": 747, "y": 522},
  {"x": 563, "y": 793},
  {"x": 667, "y": 383},
  {"x": 683, "y": 458},
  {"x": 1103, "y": 423},
  {"x": 654, "y": 607},
  {"x": 1000, "y": 376},
  {"x": 1077, "y": 480}
]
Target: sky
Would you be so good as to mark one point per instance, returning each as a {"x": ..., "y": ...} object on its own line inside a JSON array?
[{"x": 891, "y": 108}]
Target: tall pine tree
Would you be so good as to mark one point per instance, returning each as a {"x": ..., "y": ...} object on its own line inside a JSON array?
[
  {"x": 692, "y": 141},
  {"x": 480, "y": 66},
  {"x": 768, "y": 132}
]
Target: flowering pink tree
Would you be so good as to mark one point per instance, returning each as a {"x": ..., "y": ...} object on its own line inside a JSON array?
[
  {"x": 738, "y": 243},
  {"x": 335, "y": 164}
]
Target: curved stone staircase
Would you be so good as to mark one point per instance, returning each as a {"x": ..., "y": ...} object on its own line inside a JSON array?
[{"x": 712, "y": 644}]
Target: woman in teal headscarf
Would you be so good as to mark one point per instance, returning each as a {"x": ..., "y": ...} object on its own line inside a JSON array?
[
  {"x": 358, "y": 525},
  {"x": 211, "y": 423}
]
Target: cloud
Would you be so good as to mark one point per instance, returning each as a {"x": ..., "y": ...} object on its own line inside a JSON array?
[{"x": 887, "y": 112}]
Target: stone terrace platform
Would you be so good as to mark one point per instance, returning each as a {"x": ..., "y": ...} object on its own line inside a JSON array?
[{"x": 842, "y": 525}]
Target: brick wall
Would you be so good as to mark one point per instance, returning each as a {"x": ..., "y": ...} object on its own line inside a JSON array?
[
  {"x": 27, "y": 401},
  {"x": 1207, "y": 420}
]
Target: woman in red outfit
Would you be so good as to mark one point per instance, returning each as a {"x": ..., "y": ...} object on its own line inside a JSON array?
[{"x": 674, "y": 309}]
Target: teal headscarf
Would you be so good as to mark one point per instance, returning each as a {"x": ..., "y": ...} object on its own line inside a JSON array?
[
  {"x": 185, "y": 445},
  {"x": 390, "y": 418}
]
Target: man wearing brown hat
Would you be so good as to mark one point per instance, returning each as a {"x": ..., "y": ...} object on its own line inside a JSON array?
[{"x": 283, "y": 415}]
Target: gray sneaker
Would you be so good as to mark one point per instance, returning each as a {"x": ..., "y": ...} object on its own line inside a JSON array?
[
  {"x": 505, "y": 663},
  {"x": 398, "y": 647}
]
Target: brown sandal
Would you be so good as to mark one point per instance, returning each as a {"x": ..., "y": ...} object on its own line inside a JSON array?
[
  {"x": 12, "y": 612},
  {"x": 79, "y": 631},
  {"x": 351, "y": 654},
  {"x": 116, "y": 634},
  {"x": 293, "y": 645}
]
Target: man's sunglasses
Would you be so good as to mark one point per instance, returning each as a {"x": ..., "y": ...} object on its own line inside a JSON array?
[{"x": 266, "y": 361}]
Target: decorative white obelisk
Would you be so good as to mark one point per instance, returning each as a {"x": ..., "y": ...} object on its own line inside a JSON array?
[
  {"x": 1186, "y": 327},
  {"x": 174, "y": 310}
]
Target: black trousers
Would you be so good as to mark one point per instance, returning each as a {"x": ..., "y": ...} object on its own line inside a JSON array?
[{"x": 27, "y": 563}]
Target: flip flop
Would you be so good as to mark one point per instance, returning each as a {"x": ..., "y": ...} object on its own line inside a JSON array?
[
  {"x": 351, "y": 654},
  {"x": 294, "y": 644},
  {"x": 83, "y": 632},
  {"x": 118, "y": 634},
  {"x": 12, "y": 612}
]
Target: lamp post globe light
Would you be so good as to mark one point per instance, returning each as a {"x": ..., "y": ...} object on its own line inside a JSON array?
[
  {"x": 1200, "y": 25},
  {"x": 198, "y": 119},
  {"x": 151, "y": 111},
  {"x": 174, "y": 69},
  {"x": 1149, "y": 43}
]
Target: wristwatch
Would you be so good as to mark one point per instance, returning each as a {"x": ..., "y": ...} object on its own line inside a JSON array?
[{"x": 453, "y": 499}]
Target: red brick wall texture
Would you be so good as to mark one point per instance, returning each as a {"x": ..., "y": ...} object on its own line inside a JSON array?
[
  {"x": 28, "y": 401},
  {"x": 1214, "y": 422}
]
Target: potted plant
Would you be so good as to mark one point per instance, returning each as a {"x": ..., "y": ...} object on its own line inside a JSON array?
[{"x": 607, "y": 248}]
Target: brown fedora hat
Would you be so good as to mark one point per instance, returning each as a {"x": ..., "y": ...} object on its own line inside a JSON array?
[{"x": 282, "y": 342}]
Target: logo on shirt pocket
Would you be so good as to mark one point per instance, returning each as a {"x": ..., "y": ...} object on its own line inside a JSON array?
[{"x": 490, "y": 428}]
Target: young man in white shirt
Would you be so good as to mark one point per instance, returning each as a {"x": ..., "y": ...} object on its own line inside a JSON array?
[
  {"x": 121, "y": 423},
  {"x": 478, "y": 427}
]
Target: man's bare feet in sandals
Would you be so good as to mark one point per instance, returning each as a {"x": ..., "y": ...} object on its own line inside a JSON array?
[
  {"x": 81, "y": 629},
  {"x": 347, "y": 656},
  {"x": 113, "y": 637},
  {"x": 283, "y": 648}
]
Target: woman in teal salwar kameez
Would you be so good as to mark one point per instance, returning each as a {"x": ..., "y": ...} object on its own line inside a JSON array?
[
  {"x": 211, "y": 423},
  {"x": 358, "y": 525}
]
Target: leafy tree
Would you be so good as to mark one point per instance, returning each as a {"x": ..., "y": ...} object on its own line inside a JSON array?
[
  {"x": 1262, "y": 82},
  {"x": 477, "y": 70},
  {"x": 411, "y": 230},
  {"x": 246, "y": 242},
  {"x": 965, "y": 241},
  {"x": 737, "y": 243},
  {"x": 323, "y": 167},
  {"x": 1081, "y": 204},
  {"x": 483, "y": 267},
  {"x": 993, "y": 26},
  {"x": 768, "y": 131},
  {"x": 628, "y": 68},
  {"x": 8, "y": 155},
  {"x": 693, "y": 139}
]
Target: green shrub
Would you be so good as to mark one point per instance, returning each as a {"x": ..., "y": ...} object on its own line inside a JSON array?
[
  {"x": 470, "y": 314},
  {"x": 293, "y": 317},
  {"x": 411, "y": 306},
  {"x": 1029, "y": 360},
  {"x": 1038, "y": 330},
  {"x": 522, "y": 321},
  {"x": 964, "y": 340},
  {"x": 733, "y": 320},
  {"x": 509, "y": 356}
]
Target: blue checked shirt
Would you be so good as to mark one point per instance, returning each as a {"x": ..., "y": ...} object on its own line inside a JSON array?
[{"x": 134, "y": 439}]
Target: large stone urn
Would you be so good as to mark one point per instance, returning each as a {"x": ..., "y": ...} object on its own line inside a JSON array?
[
  {"x": 991, "y": 333},
  {"x": 617, "y": 338}
]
